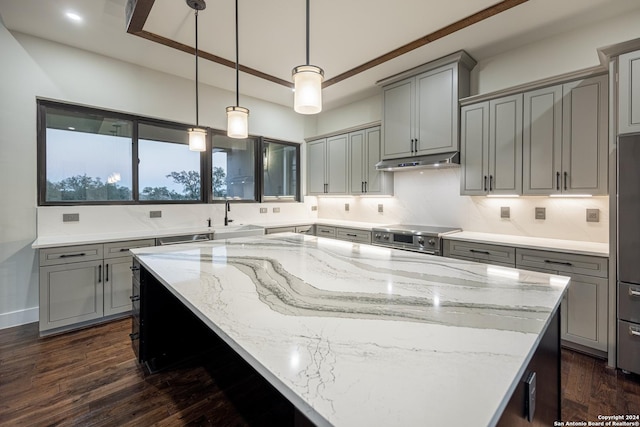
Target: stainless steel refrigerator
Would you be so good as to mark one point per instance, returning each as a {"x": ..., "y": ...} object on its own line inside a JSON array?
[{"x": 629, "y": 252}]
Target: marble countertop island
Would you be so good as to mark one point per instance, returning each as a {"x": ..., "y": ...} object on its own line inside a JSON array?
[{"x": 362, "y": 335}]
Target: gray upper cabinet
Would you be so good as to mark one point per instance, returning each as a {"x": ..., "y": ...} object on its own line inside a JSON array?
[
  {"x": 327, "y": 165},
  {"x": 565, "y": 138},
  {"x": 629, "y": 92},
  {"x": 491, "y": 147},
  {"x": 420, "y": 111},
  {"x": 364, "y": 152}
]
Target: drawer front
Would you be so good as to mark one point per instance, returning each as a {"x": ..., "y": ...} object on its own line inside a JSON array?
[
  {"x": 629, "y": 302},
  {"x": 274, "y": 230},
  {"x": 119, "y": 249},
  {"x": 68, "y": 254},
  {"x": 562, "y": 262},
  {"x": 324, "y": 231},
  {"x": 359, "y": 236},
  {"x": 629, "y": 346},
  {"x": 481, "y": 252},
  {"x": 305, "y": 229}
]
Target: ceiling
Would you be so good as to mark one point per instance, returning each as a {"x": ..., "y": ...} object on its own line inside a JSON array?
[{"x": 343, "y": 35}]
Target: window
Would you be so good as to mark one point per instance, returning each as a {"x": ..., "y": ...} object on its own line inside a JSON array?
[
  {"x": 167, "y": 169},
  {"x": 88, "y": 157},
  {"x": 280, "y": 166},
  {"x": 233, "y": 174}
]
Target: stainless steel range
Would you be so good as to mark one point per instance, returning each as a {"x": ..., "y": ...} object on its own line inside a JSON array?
[{"x": 418, "y": 238}]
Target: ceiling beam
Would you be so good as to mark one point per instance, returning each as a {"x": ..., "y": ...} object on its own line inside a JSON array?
[{"x": 138, "y": 12}]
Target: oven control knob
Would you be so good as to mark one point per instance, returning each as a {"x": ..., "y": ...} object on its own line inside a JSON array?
[
  {"x": 377, "y": 236},
  {"x": 420, "y": 241},
  {"x": 432, "y": 242},
  {"x": 386, "y": 237}
]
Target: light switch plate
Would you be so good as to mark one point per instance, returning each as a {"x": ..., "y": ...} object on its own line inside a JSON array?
[
  {"x": 541, "y": 213},
  {"x": 70, "y": 217},
  {"x": 155, "y": 214},
  {"x": 593, "y": 215},
  {"x": 505, "y": 212},
  {"x": 380, "y": 208},
  {"x": 263, "y": 210},
  {"x": 314, "y": 208},
  {"x": 276, "y": 210},
  {"x": 346, "y": 207}
]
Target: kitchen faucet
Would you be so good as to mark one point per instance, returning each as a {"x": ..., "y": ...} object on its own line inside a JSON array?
[{"x": 227, "y": 208}]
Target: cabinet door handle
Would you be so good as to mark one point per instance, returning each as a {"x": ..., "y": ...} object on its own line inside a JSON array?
[
  {"x": 485, "y": 183},
  {"x": 134, "y": 336},
  {"x": 558, "y": 181},
  {"x": 362, "y": 187},
  {"x": 411, "y": 145},
  {"x": 475, "y": 251},
  {"x": 634, "y": 293},
  {"x": 566, "y": 174},
  {"x": 72, "y": 255},
  {"x": 106, "y": 273},
  {"x": 366, "y": 186},
  {"x": 134, "y": 298},
  {"x": 134, "y": 268},
  {"x": 490, "y": 182},
  {"x": 100, "y": 273},
  {"x": 548, "y": 261},
  {"x": 634, "y": 332},
  {"x": 415, "y": 144}
]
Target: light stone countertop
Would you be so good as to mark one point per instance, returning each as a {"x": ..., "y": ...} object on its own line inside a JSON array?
[
  {"x": 554, "y": 245},
  {"x": 362, "y": 335}
]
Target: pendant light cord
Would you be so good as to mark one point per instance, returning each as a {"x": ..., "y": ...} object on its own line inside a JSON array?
[
  {"x": 237, "y": 61},
  {"x": 197, "y": 103},
  {"x": 307, "y": 32}
]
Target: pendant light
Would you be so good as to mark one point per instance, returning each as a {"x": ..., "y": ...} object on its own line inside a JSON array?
[
  {"x": 197, "y": 135},
  {"x": 237, "y": 117},
  {"x": 307, "y": 82}
]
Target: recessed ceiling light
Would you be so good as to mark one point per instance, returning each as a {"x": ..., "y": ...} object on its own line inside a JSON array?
[{"x": 74, "y": 16}]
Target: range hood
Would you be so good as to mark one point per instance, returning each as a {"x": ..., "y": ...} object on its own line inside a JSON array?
[{"x": 432, "y": 161}]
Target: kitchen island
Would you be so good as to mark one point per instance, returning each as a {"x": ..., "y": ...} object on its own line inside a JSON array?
[{"x": 360, "y": 335}]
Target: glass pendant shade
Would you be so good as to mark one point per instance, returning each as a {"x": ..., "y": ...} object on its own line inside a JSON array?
[
  {"x": 307, "y": 82},
  {"x": 197, "y": 139},
  {"x": 237, "y": 122}
]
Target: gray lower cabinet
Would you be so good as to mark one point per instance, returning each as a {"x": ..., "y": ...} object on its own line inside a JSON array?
[
  {"x": 565, "y": 138},
  {"x": 85, "y": 284},
  {"x": 301, "y": 229},
  {"x": 629, "y": 93},
  {"x": 585, "y": 306},
  {"x": 491, "y": 147},
  {"x": 480, "y": 252},
  {"x": 325, "y": 231}
]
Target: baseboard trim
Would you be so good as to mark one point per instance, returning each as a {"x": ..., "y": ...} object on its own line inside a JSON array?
[{"x": 19, "y": 317}]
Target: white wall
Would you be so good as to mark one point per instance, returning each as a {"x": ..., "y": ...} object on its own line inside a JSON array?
[{"x": 38, "y": 68}]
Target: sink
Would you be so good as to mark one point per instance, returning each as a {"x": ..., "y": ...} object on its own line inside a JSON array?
[{"x": 229, "y": 232}]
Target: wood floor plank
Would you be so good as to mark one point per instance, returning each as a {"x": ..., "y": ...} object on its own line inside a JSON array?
[{"x": 91, "y": 378}]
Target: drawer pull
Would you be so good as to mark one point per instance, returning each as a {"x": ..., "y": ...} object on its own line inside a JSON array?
[
  {"x": 352, "y": 235},
  {"x": 134, "y": 336},
  {"x": 134, "y": 298},
  {"x": 134, "y": 268},
  {"x": 72, "y": 255},
  {"x": 475, "y": 251},
  {"x": 634, "y": 332},
  {"x": 325, "y": 231},
  {"x": 124, "y": 249},
  {"x": 548, "y": 261},
  {"x": 633, "y": 293}
]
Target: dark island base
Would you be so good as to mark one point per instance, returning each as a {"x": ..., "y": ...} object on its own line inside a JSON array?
[{"x": 166, "y": 334}]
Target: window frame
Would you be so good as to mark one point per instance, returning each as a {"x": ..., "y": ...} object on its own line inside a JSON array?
[{"x": 274, "y": 199}]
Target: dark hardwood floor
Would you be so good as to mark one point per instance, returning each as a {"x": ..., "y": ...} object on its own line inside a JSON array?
[{"x": 91, "y": 378}]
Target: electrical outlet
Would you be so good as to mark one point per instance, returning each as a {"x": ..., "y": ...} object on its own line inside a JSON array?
[
  {"x": 71, "y": 217},
  {"x": 380, "y": 208},
  {"x": 505, "y": 212},
  {"x": 155, "y": 214},
  {"x": 541, "y": 213},
  {"x": 276, "y": 210},
  {"x": 593, "y": 215},
  {"x": 314, "y": 208},
  {"x": 346, "y": 207},
  {"x": 263, "y": 210}
]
